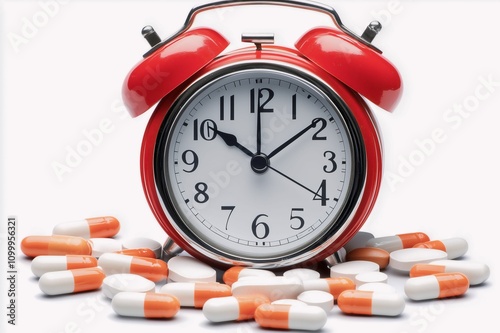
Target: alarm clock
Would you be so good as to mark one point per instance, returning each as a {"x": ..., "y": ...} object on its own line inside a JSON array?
[{"x": 265, "y": 155}]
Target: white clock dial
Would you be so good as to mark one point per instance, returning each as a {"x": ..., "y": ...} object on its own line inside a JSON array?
[{"x": 258, "y": 163}]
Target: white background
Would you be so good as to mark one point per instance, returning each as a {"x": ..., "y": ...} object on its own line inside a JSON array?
[{"x": 64, "y": 77}]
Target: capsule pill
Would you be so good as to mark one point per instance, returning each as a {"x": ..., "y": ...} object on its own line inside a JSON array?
[
  {"x": 434, "y": 286},
  {"x": 334, "y": 286},
  {"x": 234, "y": 273},
  {"x": 290, "y": 317},
  {"x": 371, "y": 303},
  {"x": 476, "y": 272},
  {"x": 195, "y": 294},
  {"x": 43, "y": 264},
  {"x": 95, "y": 227},
  {"x": 398, "y": 242},
  {"x": 138, "y": 252},
  {"x": 454, "y": 247},
  {"x": 33, "y": 246},
  {"x": 232, "y": 308},
  {"x": 152, "y": 269},
  {"x": 71, "y": 281},
  {"x": 145, "y": 305}
]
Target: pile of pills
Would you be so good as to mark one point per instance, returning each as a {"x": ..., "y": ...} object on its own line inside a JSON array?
[{"x": 83, "y": 255}]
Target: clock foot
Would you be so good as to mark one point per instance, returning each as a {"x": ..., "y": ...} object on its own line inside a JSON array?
[
  {"x": 336, "y": 258},
  {"x": 170, "y": 249}
]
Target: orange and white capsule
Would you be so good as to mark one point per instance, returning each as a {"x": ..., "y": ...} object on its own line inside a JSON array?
[
  {"x": 232, "y": 308},
  {"x": 454, "y": 247},
  {"x": 138, "y": 252},
  {"x": 334, "y": 286},
  {"x": 476, "y": 272},
  {"x": 232, "y": 275},
  {"x": 96, "y": 227},
  {"x": 440, "y": 285},
  {"x": 195, "y": 294},
  {"x": 33, "y": 246},
  {"x": 290, "y": 317},
  {"x": 398, "y": 242},
  {"x": 155, "y": 270},
  {"x": 145, "y": 305},
  {"x": 43, "y": 264},
  {"x": 371, "y": 303},
  {"x": 71, "y": 281}
]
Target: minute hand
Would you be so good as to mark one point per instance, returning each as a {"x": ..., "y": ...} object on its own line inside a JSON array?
[{"x": 295, "y": 137}]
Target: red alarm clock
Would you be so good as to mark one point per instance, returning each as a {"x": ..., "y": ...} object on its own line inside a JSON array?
[{"x": 264, "y": 156}]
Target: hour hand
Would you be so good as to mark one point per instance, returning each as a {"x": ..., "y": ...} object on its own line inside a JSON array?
[{"x": 232, "y": 141}]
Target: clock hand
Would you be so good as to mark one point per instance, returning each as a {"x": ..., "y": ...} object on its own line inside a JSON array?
[
  {"x": 232, "y": 141},
  {"x": 295, "y": 137},
  {"x": 259, "y": 132},
  {"x": 293, "y": 180}
]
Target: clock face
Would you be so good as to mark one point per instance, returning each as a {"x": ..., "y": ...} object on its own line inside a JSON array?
[{"x": 259, "y": 163}]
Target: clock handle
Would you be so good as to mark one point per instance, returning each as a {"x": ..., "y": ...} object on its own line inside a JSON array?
[{"x": 366, "y": 38}]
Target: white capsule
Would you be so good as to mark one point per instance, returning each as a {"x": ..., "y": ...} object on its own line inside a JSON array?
[
  {"x": 290, "y": 317},
  {"x": 317, "y": 298},
  {"x": 397, "y": 242},
  {"x": 116, "y": 283},
  {"x": 434, "y": 286},
  {"x": 403, "y": 260},
  {"x": 274, "y": 288},
  {"x": 333, "y": 286},
  {"x": 235, "y": 273},
  {"x": 43, "y": 264},
  {"x": 232, "y": 308},
  {"x": 188, "y": 269},
  {"x": 71, "y": 281},
  {"x": 476, "y": 272},
  {"x": 145, "y": 305},
  {"x": 96, "y": 227},
  {"x": 352, "y": 268},
  {"x": 454, "y": 247},
  {"x": 371, "y": 303},
  {"x": 195, "y": 294}
]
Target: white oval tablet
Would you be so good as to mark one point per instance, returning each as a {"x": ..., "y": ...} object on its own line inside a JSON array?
[
  {"x": 378, "y": 287},
  {"x": 104, "y": 245},
  {"x": 302, "y": 273},
  {"x": 404, "y": 259},
  {"x": 142, "y": 242},
  {"x": 317, "y": 298},
  {"x": 113, "y": 284},
  {"x": 370, "y": 277},
  {"x": 274, "y": 288},
  {"x": 188, "y": 269},
  {"x": 352, "y": 268}
]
